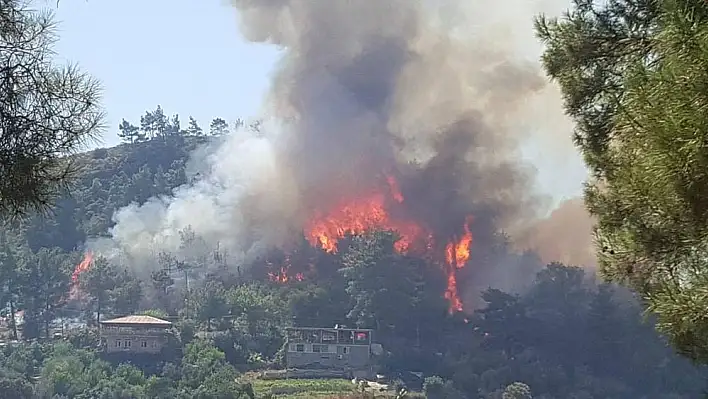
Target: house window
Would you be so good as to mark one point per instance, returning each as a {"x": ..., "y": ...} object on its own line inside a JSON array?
[
  {"x": 127, "y": 344},
  {"x": 320, "y": 348},
  {"x": 329, "y": 337},
  {"x": 300, "y": 348},
  {"x": 144, "y": 344},
  {"x": 295, "y": 335},
  {"x": 345, "y": 350},
  {"x": 117, "y": 344},
  {"x": 314, "y": 336}
]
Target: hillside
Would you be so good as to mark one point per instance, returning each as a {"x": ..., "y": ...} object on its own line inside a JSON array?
[
  {"x": 112, "y": 178},
  {"x": 564, "y": 337}
]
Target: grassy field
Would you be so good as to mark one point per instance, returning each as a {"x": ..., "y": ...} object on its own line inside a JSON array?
[{"x": 291, "y": 389}]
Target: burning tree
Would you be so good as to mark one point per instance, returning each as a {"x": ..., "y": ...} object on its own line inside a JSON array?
[
  {"x": 391, "y": 123},
  {"x": 101, "y": 286},
  {"x": 384, "y": 283},
  {"x": 376, "y": 211}
]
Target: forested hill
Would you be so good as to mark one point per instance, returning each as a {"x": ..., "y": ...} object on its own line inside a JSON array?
[
  {"x": 112, "y": 178},
  {"x": 564, "y": 338}
]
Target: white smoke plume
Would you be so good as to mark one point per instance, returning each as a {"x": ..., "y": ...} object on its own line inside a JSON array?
[{"x": 441, "y": 94}]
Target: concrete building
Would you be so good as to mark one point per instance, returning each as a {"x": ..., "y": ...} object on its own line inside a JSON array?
[
  {"x": 135, "y": 334},
  {"x": 329, "y": 348}
]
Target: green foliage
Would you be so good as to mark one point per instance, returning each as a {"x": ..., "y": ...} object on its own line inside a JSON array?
[
  {"x": 130, "y": 133},
  {"x": 369, "y": 256},
  {"x": 634, "y": 77},
  {"x": 48, "y": 111},
  {"x": 68, "y": 372},
  {"x": 158, "y": 313},
  {"x": 45, "y": 276},
  {"x": 517, "y": 390},
  {"x": 218, "y": 127},
  {"x": 111, "y": 289},
  {"x": 586, "y": 52},
  {"x": 564, "y": 336},
  {"x": 156, "y": 125},
  {"x": 437, "y": 388},
  {"x": 194, "y": 129}
]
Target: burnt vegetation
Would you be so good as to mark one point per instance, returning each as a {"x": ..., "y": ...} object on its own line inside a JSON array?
[{"x": 561, "y": 336}]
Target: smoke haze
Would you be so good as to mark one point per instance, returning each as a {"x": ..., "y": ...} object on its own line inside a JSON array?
[
  {"x": 441, "y": 95},
  {"x": 564, "y": 236}
]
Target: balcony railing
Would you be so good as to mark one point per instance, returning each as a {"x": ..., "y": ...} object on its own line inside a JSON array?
[{"x": 328, "y": 336}]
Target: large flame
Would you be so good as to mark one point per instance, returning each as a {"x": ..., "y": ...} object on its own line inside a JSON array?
[
  {"x": 355, "y": 216},
  {"x": 456, "y": 256}
]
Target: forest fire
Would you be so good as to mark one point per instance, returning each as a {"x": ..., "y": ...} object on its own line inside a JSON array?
[
  {"x": 282, "y": 275},
  {"x": 456, "y": 257},
  {"x": 373, "y": 212},
  {"x": 358, "y": 215},
  {"x": 391, "y": 123},
  {"x": 355, "y": 217},
  {"x": 82, "y": 267}
]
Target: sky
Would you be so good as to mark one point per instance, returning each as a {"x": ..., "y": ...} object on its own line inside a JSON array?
[
  {"x": 184, "y": 55},
  {"x": 188, "y": 56}
]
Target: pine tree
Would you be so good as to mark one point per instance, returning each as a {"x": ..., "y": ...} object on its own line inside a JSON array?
[{"x": 634, "y": 75}]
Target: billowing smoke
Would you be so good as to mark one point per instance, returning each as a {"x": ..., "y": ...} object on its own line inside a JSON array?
[
  {"x": 439, "y": 94},
  {"x": 564, "y": 236}
]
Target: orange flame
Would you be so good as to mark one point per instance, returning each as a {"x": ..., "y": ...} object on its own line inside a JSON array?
[
  {"x": 456, "y": 256},
  {"x": 358, "y": 215},
  {"x": 82, "y": 267},
  {"x": 282, "y": 276},
  {"x": 395, "y": 191},
  {"x": 451, "y": 293},
  {"x": 355, "y": 217}
]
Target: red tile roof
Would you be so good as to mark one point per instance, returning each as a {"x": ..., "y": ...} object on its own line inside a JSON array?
[{"x": 141, "y": 320}]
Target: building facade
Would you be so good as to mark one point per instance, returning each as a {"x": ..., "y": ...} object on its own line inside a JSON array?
[
  {"x": 135, "y": 334},
  {"x": 328, "y": 348}
]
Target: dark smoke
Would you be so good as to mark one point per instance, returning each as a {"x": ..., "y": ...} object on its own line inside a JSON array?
[{"x": 367, "y": 87}]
